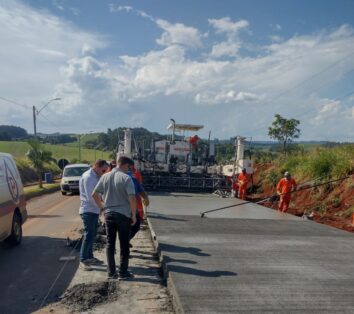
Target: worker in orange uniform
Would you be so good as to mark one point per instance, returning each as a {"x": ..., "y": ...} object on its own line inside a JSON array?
[
  {"x": 139, "y": 202},
  {"x": 242, "y": 184},
  {"x": 284, "y": 188}
]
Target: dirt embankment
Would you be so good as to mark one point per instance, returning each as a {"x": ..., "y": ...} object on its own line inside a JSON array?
[{"x": 331, "y": 204}]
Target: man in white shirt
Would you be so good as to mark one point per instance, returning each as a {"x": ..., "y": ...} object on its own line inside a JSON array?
[{"x": 89, "y": 212}]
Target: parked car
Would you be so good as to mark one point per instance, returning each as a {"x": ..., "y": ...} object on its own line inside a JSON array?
[
  {"x": 13, "y": 211},
  {"x": 71, "y": 177}
]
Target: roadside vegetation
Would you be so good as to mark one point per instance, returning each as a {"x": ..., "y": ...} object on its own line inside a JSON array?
[
  {"x": 332, "y": 203},
  {"x": 319, "y": 163},
  {"x": 19, "y": 149}
]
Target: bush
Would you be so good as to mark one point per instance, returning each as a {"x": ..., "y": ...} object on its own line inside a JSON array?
[
  {"x": 329, "y": 164},
  {"x": 273, "y": 177},
  {"x": 28, "y": 174},
  {"x": 336, "y": 202}
]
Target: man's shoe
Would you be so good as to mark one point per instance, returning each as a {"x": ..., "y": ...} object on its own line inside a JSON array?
[
  {"x": 85, "y": 266},
  {"x": 125, "y": 275},
  {"x": 94, "y": 261},
  {"x": 113, "y": 276}
]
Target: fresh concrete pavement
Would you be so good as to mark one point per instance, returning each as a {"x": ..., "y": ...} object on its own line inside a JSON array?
[{"x": 251, "y": 258}]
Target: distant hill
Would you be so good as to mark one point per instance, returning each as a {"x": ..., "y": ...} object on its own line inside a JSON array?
[{"x": 11, "y": 132}]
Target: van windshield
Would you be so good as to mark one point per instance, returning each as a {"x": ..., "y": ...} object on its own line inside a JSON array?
[{"x": 74, "y": 172}]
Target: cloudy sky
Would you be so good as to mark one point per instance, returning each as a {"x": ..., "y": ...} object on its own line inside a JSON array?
[{"x": 229, "y": 65}]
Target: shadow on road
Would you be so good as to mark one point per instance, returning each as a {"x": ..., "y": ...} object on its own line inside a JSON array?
[
  {"x": 30, "y": 270},
  {"x": 165, "y": 247},
  {"x": 162, "y": 217},
  {"x": 199, "y": 272},
  {"x": 43, "y": 216}
]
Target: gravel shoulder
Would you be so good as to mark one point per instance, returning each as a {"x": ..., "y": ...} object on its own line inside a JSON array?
[{"x": 90, "y": 292}]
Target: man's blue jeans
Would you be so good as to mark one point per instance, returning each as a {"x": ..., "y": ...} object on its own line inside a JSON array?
[{"x": 90, "y": 221}]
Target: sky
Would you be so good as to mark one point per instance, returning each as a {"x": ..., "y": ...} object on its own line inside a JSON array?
[{"x": 227, "y": 65}]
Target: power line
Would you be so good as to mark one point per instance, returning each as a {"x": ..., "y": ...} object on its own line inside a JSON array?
[
  {"x": 312, "y": 109},
  {"x": 321, "y": 86},
  {"x": 48, "y": 120},
  {"x": 15, "y": 103},
  {"x": 312, "y": 76}
]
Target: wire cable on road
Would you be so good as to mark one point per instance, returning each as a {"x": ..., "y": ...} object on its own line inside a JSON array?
[
  {"x": 59, "y": 274},
  {"x": 202, "y": 214}
]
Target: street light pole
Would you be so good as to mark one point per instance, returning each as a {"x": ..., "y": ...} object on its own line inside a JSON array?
[
  {"x": 79, "y": 140},
  {"x": 36, "y": 113},
  {"x": 34, "y": 122}
]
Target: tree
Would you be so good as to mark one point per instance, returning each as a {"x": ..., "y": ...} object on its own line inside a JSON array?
[
  {"x": 38, "y": 157},
  {"x": 14, "y": 132},
  {"x": 284, "y": 130}
]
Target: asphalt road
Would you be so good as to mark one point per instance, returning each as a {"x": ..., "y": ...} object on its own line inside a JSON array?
[{"x": 28, "y": 271}]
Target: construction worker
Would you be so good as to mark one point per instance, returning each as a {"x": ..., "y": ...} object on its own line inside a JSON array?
[
  {"x": 139, "y": 204},
  {"x": 284, "y": 188},
  {"x": 242, "y": 184}
]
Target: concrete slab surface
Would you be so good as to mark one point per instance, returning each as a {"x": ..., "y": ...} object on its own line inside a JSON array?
[{"x": 236, "y": 264}]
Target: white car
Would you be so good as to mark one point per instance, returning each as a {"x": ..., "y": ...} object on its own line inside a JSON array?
[
  {"x": 71, "y": 177},
  {"x": 13, "y": 211}
]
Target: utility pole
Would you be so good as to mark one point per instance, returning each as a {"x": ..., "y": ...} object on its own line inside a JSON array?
[
  {"x": 79, "y": 148},
  {"x": 34, "y": 122},
  {"x": 36, "y": 113}
]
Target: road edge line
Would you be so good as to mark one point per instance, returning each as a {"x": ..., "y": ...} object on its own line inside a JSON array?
[{"x": 177, "y": 304}]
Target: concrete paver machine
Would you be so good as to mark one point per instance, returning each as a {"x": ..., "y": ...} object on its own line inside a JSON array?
[{"x": 181, "y": 163}]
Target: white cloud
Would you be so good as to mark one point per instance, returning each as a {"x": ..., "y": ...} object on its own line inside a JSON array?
[
  {"x": 118, "y": 8},
  {"x": 327, "y": 109},
  {"x": 178, "y": 34},
  {"x": 60, "y": 5},
  {"x": 276, "y": 27},
  {"x": 225, "y": 25},
  {"x": 47, "y": 57},
  {"x": 276, "y": 38},
  {"x": 35, "y": 44},
  {"x": 226, "y": 48},
  {"x": 230, "y": 47},
  {"x": 225, "y": 97},
  {"x": 174, "y": 34}
]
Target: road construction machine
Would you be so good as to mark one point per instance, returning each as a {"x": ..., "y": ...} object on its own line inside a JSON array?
[{"x": 182, "y": 163}]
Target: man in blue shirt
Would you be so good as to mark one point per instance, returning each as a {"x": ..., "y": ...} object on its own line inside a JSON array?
[
  {"x": 89, "y": 212},
  {"x": 139, "y": 193}
]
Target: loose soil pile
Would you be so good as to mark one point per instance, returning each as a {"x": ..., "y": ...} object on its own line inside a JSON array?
[
  {"x": 331, "y": 204},
  {"x": 83, "y": 297}
]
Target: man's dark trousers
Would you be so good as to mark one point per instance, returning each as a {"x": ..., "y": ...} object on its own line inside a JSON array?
[{"x": 116, "y": 222}]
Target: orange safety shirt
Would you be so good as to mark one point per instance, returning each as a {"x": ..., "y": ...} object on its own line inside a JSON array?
[
  {"x": 242, "y": 179},
  {"x": 285, "y": 186}
]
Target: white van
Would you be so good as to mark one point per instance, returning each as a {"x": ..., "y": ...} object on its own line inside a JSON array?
[
  {"x": 71, "y": 177},
  {"x": 13, "y": 211}
]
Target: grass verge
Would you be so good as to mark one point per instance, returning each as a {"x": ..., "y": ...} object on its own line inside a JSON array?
[{"x": 33, "y": 191}]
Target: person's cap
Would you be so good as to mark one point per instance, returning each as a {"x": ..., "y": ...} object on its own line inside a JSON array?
[{"x": 287, "y": 174}]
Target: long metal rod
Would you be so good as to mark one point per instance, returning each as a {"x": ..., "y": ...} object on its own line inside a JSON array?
[{"x": 202, "y": 214}]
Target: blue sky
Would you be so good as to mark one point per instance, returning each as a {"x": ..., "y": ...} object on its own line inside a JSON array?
[{"x": 229, "y": 65}]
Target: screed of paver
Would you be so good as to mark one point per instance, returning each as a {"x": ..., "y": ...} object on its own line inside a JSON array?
[{"x": 90, "y": 292}]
